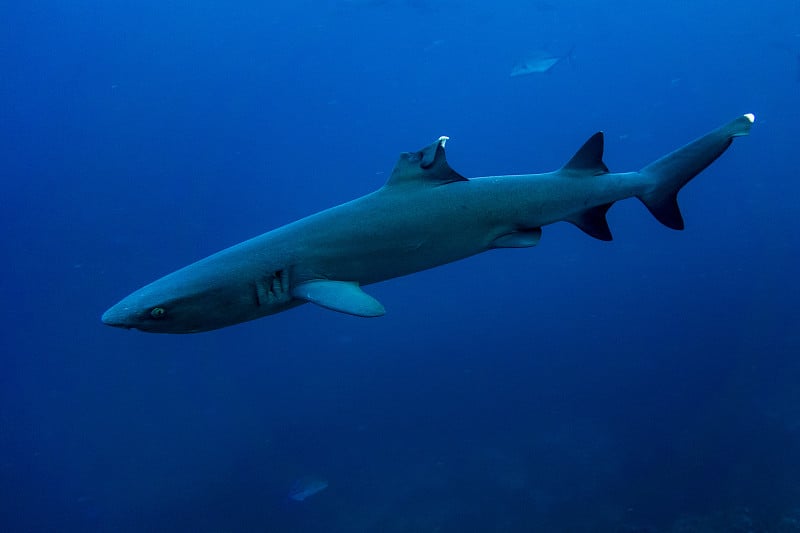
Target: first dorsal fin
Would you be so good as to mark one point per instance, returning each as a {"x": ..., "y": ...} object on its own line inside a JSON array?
[
  {"x": 426, "y": 166},
  {"x": 588, "y": 161}
]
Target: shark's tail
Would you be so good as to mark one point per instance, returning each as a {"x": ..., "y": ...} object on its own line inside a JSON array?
[{"x": 674, "y": 170}]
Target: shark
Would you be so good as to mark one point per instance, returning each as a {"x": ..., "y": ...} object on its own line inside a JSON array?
[{"x": 424, "y": 216}]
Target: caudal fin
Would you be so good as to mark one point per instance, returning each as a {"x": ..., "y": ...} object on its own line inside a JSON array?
[{"x": 675, "y": 170}]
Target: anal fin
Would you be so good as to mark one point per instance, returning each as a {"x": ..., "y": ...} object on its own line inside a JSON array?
[
  {"x": 593, "y": 222},
  {"x": 343, "y": 296}
]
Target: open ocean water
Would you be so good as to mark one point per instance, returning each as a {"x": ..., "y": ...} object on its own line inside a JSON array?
[{"x": 649, "y": 384}]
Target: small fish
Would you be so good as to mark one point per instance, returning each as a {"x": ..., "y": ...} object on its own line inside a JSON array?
[
  {"x": 798, "y": 67},
  {"x": 306, "y": 486},
  {"x": 538, "y": 62}
]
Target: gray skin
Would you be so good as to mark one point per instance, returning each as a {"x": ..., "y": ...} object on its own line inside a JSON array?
[{"x": 425, "y": 216}]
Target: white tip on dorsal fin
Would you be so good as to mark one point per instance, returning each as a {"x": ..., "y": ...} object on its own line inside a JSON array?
[
  {"x": 443, "y": 140},
  {"x": 749, "y": 116}
]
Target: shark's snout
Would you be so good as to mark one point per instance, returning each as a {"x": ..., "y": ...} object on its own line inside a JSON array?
[{"x": 117, "y": 317}]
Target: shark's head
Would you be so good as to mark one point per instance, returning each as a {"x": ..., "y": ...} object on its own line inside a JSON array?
[
  {"x": 159, "y": 308},
  {"x": 197, "y": 298},
  {"x": 156, "y": 312}
]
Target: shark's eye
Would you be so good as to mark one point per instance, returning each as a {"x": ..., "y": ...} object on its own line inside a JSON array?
[{"x": 158, "y": 312}]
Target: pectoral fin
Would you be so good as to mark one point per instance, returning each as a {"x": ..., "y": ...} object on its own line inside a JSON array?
[{"x": 343, "y": 296}]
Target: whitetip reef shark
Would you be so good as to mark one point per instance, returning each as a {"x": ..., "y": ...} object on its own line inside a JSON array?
[{"x": 426, "y": 215}]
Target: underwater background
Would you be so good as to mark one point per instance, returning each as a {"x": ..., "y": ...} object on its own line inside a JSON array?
[{"x": 648, "y": 384}]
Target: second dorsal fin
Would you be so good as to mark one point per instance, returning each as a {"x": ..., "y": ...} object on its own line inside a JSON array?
[{"x": 588, "y": 161}]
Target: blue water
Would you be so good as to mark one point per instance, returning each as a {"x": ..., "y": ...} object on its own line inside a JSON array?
[{"x": 648, "y": 384}]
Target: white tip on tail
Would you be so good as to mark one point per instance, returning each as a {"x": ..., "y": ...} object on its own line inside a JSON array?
[
  {"x": 443, "y": 140},
  {"x": 749, "y": 116}
]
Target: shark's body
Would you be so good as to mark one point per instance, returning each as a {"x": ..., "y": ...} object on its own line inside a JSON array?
[{"x": 425, "y": 216}]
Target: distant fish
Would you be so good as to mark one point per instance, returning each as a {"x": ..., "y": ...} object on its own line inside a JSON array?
[
  {"x": 307, "y": 486},
  {"x": 798, "y": 67},
  {"x": 791, "y": 49},
  {"x": 538, "y": 62}
]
